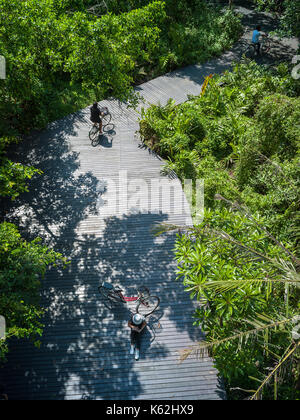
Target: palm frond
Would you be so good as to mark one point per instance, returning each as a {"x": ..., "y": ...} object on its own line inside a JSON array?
[
  {"x": 202, "y": 348},
  {"x": 222, "y": 286},
  {"x": 288, "y": 353},
  {"x": 284, "y": 266},
  {"x": 161, "y": 228},
  {"x": 243, "y": 209}
]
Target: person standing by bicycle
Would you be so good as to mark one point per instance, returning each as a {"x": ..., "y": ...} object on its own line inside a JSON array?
[
  {"x": 256, "y": 38},
  {"x": 96, "y": 116},
  {"x": 137, "y": 324}
]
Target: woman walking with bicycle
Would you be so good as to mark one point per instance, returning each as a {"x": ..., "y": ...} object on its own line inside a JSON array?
[
  {"x": 257, "y": 33},
  {"x": 137, "y": 325},
  {"x": 255, "y": 39},
  {"x": 100, "y": 118},
  {"x": 146, "y": 305},
  {"x": 260, "y": 44}
]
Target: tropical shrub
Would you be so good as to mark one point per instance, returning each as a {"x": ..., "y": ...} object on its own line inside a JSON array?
[
  {"x": 242, "y": 266},
  {"x": 244, "y": 138},
  {"x": 281, "y": 134},
  {"x": 248, "y": 286}
]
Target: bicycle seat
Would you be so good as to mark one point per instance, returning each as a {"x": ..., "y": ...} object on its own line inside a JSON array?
[
  {"x": 107, "y": 285},
  {"x": 104, "y": 110}
]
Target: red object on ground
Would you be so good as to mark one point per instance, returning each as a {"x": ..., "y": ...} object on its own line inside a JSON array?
[{"x": 130, "y": 299}]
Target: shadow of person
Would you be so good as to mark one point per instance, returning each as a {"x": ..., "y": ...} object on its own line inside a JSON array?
[
  {"x": 105, "y": 140},
  {"x": 149, "y": 348},
  {"x": 145, "y": 342}
]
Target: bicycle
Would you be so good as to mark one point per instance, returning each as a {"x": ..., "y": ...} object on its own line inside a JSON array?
[
  {"x": 94, "y": 131},
  {"x": 265, "y": 45},
  {"x": 112, "y": 295}
]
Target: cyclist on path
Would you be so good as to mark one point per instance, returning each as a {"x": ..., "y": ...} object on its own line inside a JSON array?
[{"x": 96, "y": 116}]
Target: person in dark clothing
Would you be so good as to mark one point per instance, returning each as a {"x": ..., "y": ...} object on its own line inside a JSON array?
[
  {"x": 96, "y": 116},
  {"x": 137, "y": 325}
]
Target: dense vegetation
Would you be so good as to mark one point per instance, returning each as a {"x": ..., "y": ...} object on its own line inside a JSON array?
[
  {"x": 60, "y": 56},
  {"x": 288, "y": 12},
  {"x": 242, "y": 262}
]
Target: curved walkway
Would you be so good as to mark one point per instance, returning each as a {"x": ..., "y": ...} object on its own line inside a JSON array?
[{"x": 81, "y": 205}]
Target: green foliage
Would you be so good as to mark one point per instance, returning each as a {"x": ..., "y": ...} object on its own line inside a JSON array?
[
  {"x": 236, "y": 272},
  {"x": 21, "y": 266},
  {"x": 281, "y": 134},
  {"x": 288, "y": 11},
  {"x": 242, "y": 138},
  {"x": 13, "y": 176},
  {"x": 206, "y": 260},
  {"x": 56, "y": 51},
  {"x": 110, "y": 6}
]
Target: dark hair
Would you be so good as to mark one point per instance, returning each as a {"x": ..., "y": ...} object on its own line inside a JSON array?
[
  {"x": 95, "y": 104},
  {"x": 258, "y": 27}
]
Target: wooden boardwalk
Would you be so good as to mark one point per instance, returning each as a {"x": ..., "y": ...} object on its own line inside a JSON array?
[{"x": 85, "y": 348}]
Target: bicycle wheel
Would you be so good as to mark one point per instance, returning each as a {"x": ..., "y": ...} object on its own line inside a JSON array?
[
  {"x": 147, "y": 305},
  {"x": 266, "y": 46},
  {"x": 93, "y": 134},
  {"x": 249, "y": 51},
  {"x": 106, "y": 119},
  {"x": 105, "y": 294}
]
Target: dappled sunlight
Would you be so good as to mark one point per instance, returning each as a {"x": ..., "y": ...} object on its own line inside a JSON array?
[{"x": 84, "y": 348}]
